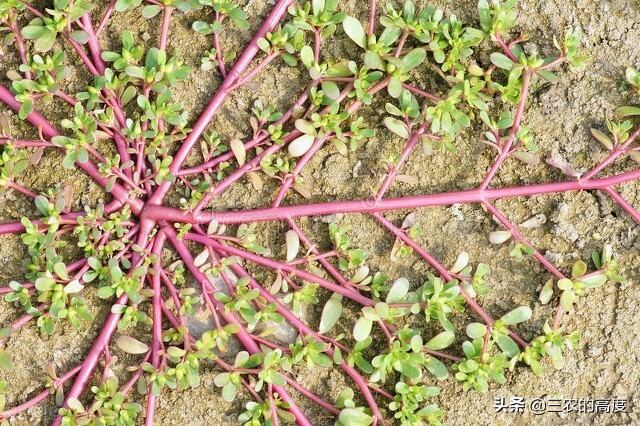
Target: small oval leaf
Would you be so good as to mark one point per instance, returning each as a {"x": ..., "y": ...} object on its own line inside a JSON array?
[
  {"x": 355, "y": 31},
  {"x": 501, "y": 61},
  {"x": 301, "y": 145},
  {"x": 397, "y": 126},
  {"x": 461, "y": 262},
  {"x": 237, "y": 147},
  {"x": 293, "y": 245},
  {"x": 398, "y": 290},
  {"x": 476, "y": 329},
  {"x": 518, "y": 315},
  {"x": 627, "y": 111},
  {"x": 440, "y": 341},
  {"x": 499, "y": 237},
  {"x": 131, "y": 346},
  {"x": 362, "y": 329},
  {"x": 330, "y": 313}
]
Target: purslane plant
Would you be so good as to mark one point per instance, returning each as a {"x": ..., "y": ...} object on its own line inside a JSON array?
[{"x": 128, "y": 104}]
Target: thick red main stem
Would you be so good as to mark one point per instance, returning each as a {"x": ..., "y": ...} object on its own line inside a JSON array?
[{"x": 371, "y": 206}]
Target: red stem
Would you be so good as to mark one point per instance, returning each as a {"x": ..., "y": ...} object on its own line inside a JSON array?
[
  {"x": 622, "y": 149},
  {"x": 243, "y": 62},
  {"x": 521, "y": 238},
  {"x": 118, "y": 191},
  {"x": 216, "y": 44},
  {"x": 360, "y": 381},
  {"x": 164, "y": 31},
  {"x": 444, "y": 272},
  {"x": 623, "y": 203},
  {"x": 506, "y": 150},
  {"x": 243, "y": 335},
  {"x": 156, "y": 341},
  {"x": 371, "y": 206},
  {"x": 403, "y": 157},
  {"x": 91, "y": 359},
  {"x": 106, "y": 16},
  {"x": 40, "y": 397},
  {"x": 372, "y": 17},
  {"x": 94, "y": 43}
]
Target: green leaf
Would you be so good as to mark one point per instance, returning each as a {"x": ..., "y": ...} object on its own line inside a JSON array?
[
  {"x": 330, "y": 313},
  {"x": 476, "y": 330},
  {"x": 131, "y": 346},
  {"x": 318, "y": 6},
  {"x": 321, "y": 360},
  {"x": 155, "y": 58},
  {"x": 603, "y": 138},
  {"x": 579, "y": 269},
  {"x": 301, "y": 145},
  {"x": 45, "y": 42},
  {"x": 355, "y": 31},
  {"x": 229, "y": 392},
  {"x": 507, "y": 345},
  {"x": 407, "y": 369},
  {"x": 397, "y": 126},
  {"x": 82, "y": 155},
  {"x": 150, "y": 11},
  {"x": 25, "y": 109},
  {"x": 264, "y": 45},
  {"x": 32, "y": 32},
  {"x": 440, "y": 341},
  {"x": 594, "y": 280},
  {"x": 201, "y": 27},
  {"x": 565, "y": 284},
  {"x": 566, "y": 299},
  {"x": 547, "y": 292},
  {"x": 305, "y": 127},
  {"x": 633, "y": 76},
  {"x": 242, "y": 24},
  {"x": 549, "y": 76},
  {"x": 79, "y": 36},
  {"x": 362, "y": 329},
  {"x": 135, "y": 72},
  {"x": 105, "y": 292},
  {"x": 128, "y": 94},
  {"x": 61, "y": 270},
  {"x": 6, "y": 332},
  {"x": 501, "y": 61},
  {"x": 437, "y": 368},
  {"x": 337, "y": 355},
  {"x": 42, "y": 204},
  {"x": 395, "y": 87},
  {"x": 331, "y": 90},
  {"x": 5, "y": 361},
  {"x": 518, "y": 315},
  {"x": 626, "y": 111},
  {"x": 413, "y": 59},
  {"x": 307, "y": 56},
  {"x": 373, "y": 60},
  {"x": 353, "y": 417},
  {"x": 122, "y": 5},
  {"x": 75, "y": 404},
  {"x": 398, "y": 290},
  {"x": 44, "y": 284}
]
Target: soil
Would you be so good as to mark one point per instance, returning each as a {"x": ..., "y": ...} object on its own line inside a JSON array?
[{"x": 560, "y": 115}]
